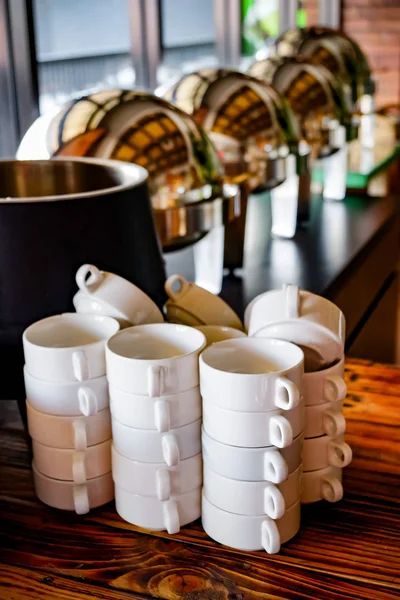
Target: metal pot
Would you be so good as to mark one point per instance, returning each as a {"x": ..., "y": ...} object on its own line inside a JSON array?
[
  {"x": 186, "y": 183},
  {"x": 56, "y": 215}
]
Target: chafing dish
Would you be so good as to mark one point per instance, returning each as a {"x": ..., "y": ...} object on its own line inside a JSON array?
[
  {"x": 243, "y": 119},
  {"x": 187, "y": 188},
  {"x": 334, "y": 50},
  {"x": 314, "y": 95}
]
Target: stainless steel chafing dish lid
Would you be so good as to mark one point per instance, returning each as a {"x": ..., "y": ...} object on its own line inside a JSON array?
[
  {"x": 334, "y": 50},
  {"x": 186, "y": 183},
  {"x": 313, "y": 94},
  {"x": 250, "y": 125}
]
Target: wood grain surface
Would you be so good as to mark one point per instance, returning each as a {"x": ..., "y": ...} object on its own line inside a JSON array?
[{"x": 346, "y": 550}]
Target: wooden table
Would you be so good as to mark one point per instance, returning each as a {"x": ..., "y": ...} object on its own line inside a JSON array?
[{"x": 347, "y": 550}]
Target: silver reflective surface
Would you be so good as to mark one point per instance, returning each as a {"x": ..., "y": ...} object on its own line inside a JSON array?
[
  {"x": 251, "y": 126},
  {"x": 185, "y": 173}
]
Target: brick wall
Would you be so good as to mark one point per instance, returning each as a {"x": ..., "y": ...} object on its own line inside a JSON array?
[{"x": 375, "y": 25}]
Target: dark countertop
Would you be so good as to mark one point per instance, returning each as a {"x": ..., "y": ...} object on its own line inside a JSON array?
[{"x": 319, "y": 254}]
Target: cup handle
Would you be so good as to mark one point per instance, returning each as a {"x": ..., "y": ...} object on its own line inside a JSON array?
[
  {"x": 80, "y": 435},
  {"x": 170, "y": 449},
  {"x": 339, "y": 454},
  {"x": 331, "y": 489},
  {"x": 292, "y": 301},
  {"x": 87, "y": 401},
  {"x": 80, "y": 365},
  {"x": 95, "y": 278},
  {"x": 155, "y": 381},
  {"x": 280, "y": 432},
  {"x": 171, "y": 516},
  {"x": 162, "y": 416},
  {"x": 81, "y": 499},
  {"x": 274, "y": 502},
  {"x": 287, "y": 395},
  {"x": 276, "y": 469},
  {"x": 163, "y": 484},
  {"x": 333, "y": 422},
  {"x": 270, "y": 537},
  {"x": 334, "y": 388},
  {"x": 182, "y": 290},
  {"x": 79, "y": 467}
]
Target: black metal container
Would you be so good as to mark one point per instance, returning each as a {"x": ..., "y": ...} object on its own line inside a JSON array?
[{"x": 55, "y": 216}]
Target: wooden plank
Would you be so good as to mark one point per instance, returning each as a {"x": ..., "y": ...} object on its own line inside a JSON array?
[{"x": 17, "y": 583}]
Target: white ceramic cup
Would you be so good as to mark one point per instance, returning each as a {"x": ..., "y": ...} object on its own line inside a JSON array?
[
  {"x": 72, "y": 465},
  {"x": 68, "y": 398},
  {"x": 324, "y": 419},
  {"x": 68, "y": 347},
  {"x": 253, "y": 429},
  {"x": 310, "y": 321},
  {"x": 218, "y": 333},
  {"x": 151, "y": 513},
  {"x": 324, "y": 451},
  {"x": 149, "y": 446},
  {"x": 69, "y": 432},
  {"x": 252, "y": 464},
  {"x": 155, "y": 360},
  {"x": 326, "y": 385},
  {"x": 156, "y": 479},
  {"x": 252, "y": 497},
  {"x": 162, "y": 413},
  {"x": 200, "y": 304},
  {"x": 251, "y": 374},
  {"x": 323, "y": 484},
  {"x": 67, "y": 495},
  {"x": 105, "y": 293},
  {"x": 245, "y": 532}
]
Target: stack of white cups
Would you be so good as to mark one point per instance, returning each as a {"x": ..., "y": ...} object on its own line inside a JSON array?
[
  {"x": 68, "y": 410},
  {"x": 318, "y": 327},
  {"x": 156, "y": 421},
  {"x": 253, "y": 422}
]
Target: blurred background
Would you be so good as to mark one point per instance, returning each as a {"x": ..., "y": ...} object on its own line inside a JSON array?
[{"x": 52, "y": 50}]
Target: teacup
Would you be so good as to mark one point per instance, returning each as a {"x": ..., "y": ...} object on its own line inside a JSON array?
[
  {"x": 162, "y": 413},
  {"x": 156, "y": 479},
  {"x": 324, "y": 451},
  {"x": 76, "y": 432},
  {"x": 152, "y": 513},
  {"x": 326, "y": 385},
  {"x": 245, "y": 532},
  {"x": 149, "y": 446},
  {"x": 198, "y": 304},
  {"x": 72, "y": 465},
  {"x": 323, "y": 484},
  {"x": 252, "y": 464},
  {"x": 155, "y": 360},
  {"x": 324, "y": 419},
  {"x": 252, "y": 497},
  {"x": 67, "y": 495},
  {"x": 68, "y": 347},
  {"x": 68, "y": 398},
  {"x": 251, "y": 374},
  {"x": 307, "y": 320},
  {"x": 253, "y": 429},
  {"x": 218, "y": 333},
  {"x": 108, "y": 294}
]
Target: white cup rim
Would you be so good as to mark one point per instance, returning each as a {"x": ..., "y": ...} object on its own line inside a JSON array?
[
  {"x": 83, "y": 318},
  {"x": 200, "y": 342},
  {"x": 251, "y": 342}
]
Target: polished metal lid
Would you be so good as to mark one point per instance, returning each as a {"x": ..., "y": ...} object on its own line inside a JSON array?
[
  {"x": 313, "y": 94},
  {"x": 186, "y": 183},
  {"x": 336, "y": 51},
  {"x": 251, "y": 126}
]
